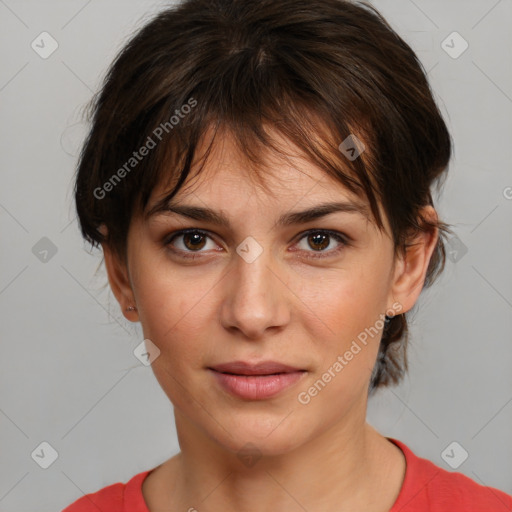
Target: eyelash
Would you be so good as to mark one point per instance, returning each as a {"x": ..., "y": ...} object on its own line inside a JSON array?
[{"x": 342, "y": 239}]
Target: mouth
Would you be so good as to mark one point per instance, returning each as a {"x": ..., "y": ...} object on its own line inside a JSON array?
[
  {"x": 262, "y": 369},
  {"x": 256, "y": 381}
]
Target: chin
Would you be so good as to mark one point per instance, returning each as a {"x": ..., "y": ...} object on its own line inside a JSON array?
[{"x": 267, "y": 436}]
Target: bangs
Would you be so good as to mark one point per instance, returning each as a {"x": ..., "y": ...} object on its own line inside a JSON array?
[{"x": 314, "y": 135}]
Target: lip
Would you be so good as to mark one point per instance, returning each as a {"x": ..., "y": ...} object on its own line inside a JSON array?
[
  {"x": 256, "y": 381},
  {"x": 262, "y": 368}
]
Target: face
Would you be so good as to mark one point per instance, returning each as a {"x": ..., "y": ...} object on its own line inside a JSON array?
[{"x": 308, "y": 295}]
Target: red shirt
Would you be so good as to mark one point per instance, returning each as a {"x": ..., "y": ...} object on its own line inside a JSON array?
[{"x": 426, "y": 488}]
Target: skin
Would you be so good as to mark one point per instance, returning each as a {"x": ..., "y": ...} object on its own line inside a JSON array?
[{"x": 285, "y": 307}]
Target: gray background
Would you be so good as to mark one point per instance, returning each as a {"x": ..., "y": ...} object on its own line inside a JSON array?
[{"x": 68, "y": 374}]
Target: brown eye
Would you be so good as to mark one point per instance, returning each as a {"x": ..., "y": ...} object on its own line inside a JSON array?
[
  {"x": 318, "y": 241},
  {"x": 194, "y": 241},
  {"x": 191, "y": 241},
  {"x": 316, "y": 244}
]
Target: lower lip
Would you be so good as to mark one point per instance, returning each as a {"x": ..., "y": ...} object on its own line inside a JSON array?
[{"x": 257, "y": 387}]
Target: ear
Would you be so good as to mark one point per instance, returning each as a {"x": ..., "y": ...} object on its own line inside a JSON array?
[
  {"x": 119, "y": 280},
  {"x": 411, "y": 268}
]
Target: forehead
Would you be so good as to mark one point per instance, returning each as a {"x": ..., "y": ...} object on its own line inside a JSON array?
[
  {"x": 226, "y": 174},
  {"x": 224, "y": 190}
]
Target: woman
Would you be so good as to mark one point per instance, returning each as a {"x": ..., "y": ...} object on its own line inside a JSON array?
[{"x": 258, "y": 174}]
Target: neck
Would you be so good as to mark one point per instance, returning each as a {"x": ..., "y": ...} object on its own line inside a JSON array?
[{"x": 348, "y": 467}]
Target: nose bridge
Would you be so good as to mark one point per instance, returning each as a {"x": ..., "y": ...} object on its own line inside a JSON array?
[
  {"x": 254, "y": 300},
  {"x": 253, "y": 269}
]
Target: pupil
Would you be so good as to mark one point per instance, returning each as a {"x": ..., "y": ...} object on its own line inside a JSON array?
[
  {"x": 317, "y": 239},
  {"x": 196, "y": 238}
]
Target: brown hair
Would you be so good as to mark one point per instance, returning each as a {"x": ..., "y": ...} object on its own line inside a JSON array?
[{"x": 316, "y": 70}]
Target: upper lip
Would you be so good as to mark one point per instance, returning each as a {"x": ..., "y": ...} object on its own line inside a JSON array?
[{"x": 262, "y": 368}]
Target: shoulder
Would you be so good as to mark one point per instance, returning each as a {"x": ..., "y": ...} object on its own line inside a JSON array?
[
  {"x": 431, "y": 488},
  {"x": 110, "y": 496},
  {"x": 113, "y": 497}
]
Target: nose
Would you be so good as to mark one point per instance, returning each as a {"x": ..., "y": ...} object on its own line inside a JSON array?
[{"x": 257, "y": 299}]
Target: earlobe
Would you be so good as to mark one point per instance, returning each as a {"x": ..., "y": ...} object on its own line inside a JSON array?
[
  {"x": 120, "y": 284},
  {"x": 412, "y": 268}
]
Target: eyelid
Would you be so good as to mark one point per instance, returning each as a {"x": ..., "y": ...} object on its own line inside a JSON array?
[
  {"x": 343, "y": 239},
  {"x": 176, "y": 234},
  {"x": 333, "y": 232}
]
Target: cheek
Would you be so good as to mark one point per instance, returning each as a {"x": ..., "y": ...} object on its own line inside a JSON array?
[
  {"x": 174, "y": 316},
  {"x": 175, "y": 308},
  {"x": 347, "y": 323},
  {"x": 345, "y": 301}
]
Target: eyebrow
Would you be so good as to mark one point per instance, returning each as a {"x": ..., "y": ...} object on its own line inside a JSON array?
[{"x": 300, "y": 217}]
